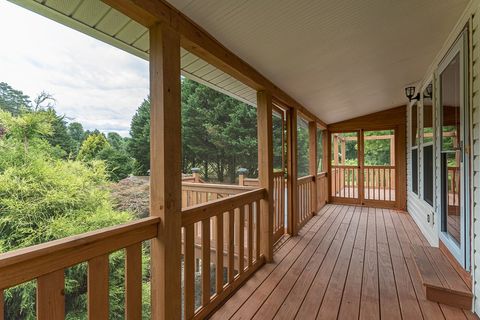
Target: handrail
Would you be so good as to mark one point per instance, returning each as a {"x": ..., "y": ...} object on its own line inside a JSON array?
[
  {"x": 203, "y": 211},
  {"x": 321, "y": 174},
  {"x": 221, "y": 188},
  {"x": 305, "y": 179},
  {"x": 26, "y": 264},
  {"x": 379, "y": 167}
]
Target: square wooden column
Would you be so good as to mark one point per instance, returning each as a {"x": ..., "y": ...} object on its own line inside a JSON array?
[
  {"x": 292, "y": 168},
  {"x": 265, "y": 168},
  {"x": 312, "y": 137},
  {"x": 165, "y": 171}
]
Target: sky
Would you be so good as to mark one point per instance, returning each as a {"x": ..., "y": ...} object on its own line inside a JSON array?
[{"x": 93, "y": 83}]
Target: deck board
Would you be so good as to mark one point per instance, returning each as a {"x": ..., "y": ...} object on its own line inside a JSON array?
[{"x": 346, "y": 263}]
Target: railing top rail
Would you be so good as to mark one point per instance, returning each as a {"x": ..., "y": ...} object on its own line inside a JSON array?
[
  {"x": 305, "y": 179},
  {"x": 322, "y": 174},
  {"x": 209, "y": 209},
  {"x": 344, "y": 166},
  {"x": 379, "y": 167},
  {"x": 278, "y": 173},
  {"x": 26, "y": 264},
  {"x": 221, "y": 188}
]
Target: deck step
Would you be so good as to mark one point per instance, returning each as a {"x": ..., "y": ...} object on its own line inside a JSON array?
[{"x": 441, "y": 281}]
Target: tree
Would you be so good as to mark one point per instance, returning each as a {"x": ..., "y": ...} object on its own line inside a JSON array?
[
  {"x": 13, "y": 101},
  {"x": 77, "y": 134},
  {"x": 28, "y": 126},
  {"x": 92, "y": 146},
  {"x": 139, "y": 145}
]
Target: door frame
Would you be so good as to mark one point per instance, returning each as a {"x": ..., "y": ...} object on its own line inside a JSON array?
[{"x": 462, "y": 252}]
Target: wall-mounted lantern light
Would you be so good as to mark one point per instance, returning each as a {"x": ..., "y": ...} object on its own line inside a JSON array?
[{"x": 409, "y": 92}]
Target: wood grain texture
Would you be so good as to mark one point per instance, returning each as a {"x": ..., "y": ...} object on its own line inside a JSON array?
[
  {"x": 50, "y": 296},
  {"x": 133, "y": 282},
  {"x": 98, "y": 290},
  {"x": 165, "y": 170}
]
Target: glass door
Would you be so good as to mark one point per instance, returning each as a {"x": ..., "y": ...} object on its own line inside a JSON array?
[
  {"x": 454, "y": 166},
  {"x": 345, "y": 171}
]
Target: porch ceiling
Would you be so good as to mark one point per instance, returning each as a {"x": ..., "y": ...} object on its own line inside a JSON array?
[{"x": 339, "y": 58}]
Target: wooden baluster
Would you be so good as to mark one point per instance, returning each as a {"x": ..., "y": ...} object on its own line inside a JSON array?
[
  {"x": 250, "y": 235},
  {"x": 241, "y": 239},
  {"x": 133, "y": 282},
  {"x": 98, "y": 295},
  {"x": 205, "y": 261},
  {"x": 231, "y": 246},
  {"x": 219, "y": 247},
  {"x": 189, "y": 271},
  {"x": 2, "y": 301},
  {"x": 384, "y": 184},
  {"x": 257, "y": 231},
  {"x": 50, "y": 296}
]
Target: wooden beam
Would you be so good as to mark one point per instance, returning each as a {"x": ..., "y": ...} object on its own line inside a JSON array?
[
  {"x": 292, "y": 167},
  {"x": 199, "y": 42},
  {"x": 265, "y": 167},
  {"x": 312, "y": 139},
  {"x": 165, "y": 170}
]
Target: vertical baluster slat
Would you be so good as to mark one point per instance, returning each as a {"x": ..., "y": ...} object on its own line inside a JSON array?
[
  {"x": 219, "y": 248},
  {"x": 189, "y": 271},
  {"x": 205, "y": 261},
  {"x": 98, "y": 301},
  {"x": 231, "y": 245},
  {"x": 257, "y": 231},
  {"x": 241, "y": 239},
  {"x": 50, "y": 296},
  {"x": 250, "y": 235},
  {"x": 133, "y": 282}
]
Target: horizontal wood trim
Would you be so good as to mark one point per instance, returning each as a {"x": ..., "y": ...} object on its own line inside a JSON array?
[
  {"x": 305, "y": 179},
  {"x": 198, "y": 41},
  {"x": 321, "y": 174},
  {"x": 23, "y": 265},
  {"x": 210, "y": 209},
  {"x": 215, "y": 188},
  {"x": 385, "y": 119}
]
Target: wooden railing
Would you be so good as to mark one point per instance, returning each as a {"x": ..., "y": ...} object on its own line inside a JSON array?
[
  {"x": 47, "y": 263},
  {"x": 379, "y": 183},
  {"x": 230, "y": 228},
  {"x": 322, "y": 189},
  {"x": 278, "y": 205},
  {"x": 453, "y": 187},
  {"x": 305, "y": 194},
  {"x": 197, "y": 193},
  {"x": 344, "y": 181}
]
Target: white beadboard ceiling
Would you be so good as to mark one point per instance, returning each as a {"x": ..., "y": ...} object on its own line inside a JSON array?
[{"x": 339, "y": 58}]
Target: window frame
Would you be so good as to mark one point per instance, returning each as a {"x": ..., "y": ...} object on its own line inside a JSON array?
[
  {"x": 422, "y": 144},
  {"x": 413, "y": 137}
]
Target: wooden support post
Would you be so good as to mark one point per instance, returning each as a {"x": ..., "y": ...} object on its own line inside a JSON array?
[
  {"x": 265, "y": 168},
  {"x": 312, "y": 137},
  {"x": 165, "y": 171},
  {"x": 335, "y": 149},
  {"x": 292, "y": 171}
]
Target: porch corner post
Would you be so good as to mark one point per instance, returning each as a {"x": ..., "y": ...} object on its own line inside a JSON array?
[
  {"x": 265, "y": 167},
  {"x": 292, "y": 168},
  {"x": 165, "y": 171},
  {"x": 312, "y": 139}
]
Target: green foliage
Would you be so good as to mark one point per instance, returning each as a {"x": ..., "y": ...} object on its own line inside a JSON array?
[
  {"x": 13, "y": 101},
  {"x": 302, "y": 148},
  {"x": 139, "y": 146}
]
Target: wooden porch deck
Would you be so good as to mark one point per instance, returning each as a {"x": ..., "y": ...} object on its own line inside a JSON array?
[{"x": 346, "y": 263}]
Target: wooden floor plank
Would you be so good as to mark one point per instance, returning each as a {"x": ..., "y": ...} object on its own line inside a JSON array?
[
  {"x": 370, "y": 300},
  {"x": 238, "y": 299},
  {"x": 255, "y": 301},
  {"x": 350, "y": 303},
  {"x": 333, "y": 296},
  {"x": 389, "y": 304},
  {"x": 296, "y": 296},
  {"x": 316, "y": 292},
  {"x": 346, "y": 263},
  {"x": 407, "y": 298},
  {"x": 278, "y": 295}
]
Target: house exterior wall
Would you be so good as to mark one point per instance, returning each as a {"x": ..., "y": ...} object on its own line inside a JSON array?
[{"x": 418, "y": 208}]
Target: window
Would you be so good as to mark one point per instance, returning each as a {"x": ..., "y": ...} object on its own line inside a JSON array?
[
  {"x": 319, "y": 150},
  {"x": 414, "y": 147},
  {"x": 427, "y": 145}
]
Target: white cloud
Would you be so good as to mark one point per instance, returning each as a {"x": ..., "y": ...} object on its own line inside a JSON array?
[{"x": 94, "y": 83}]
